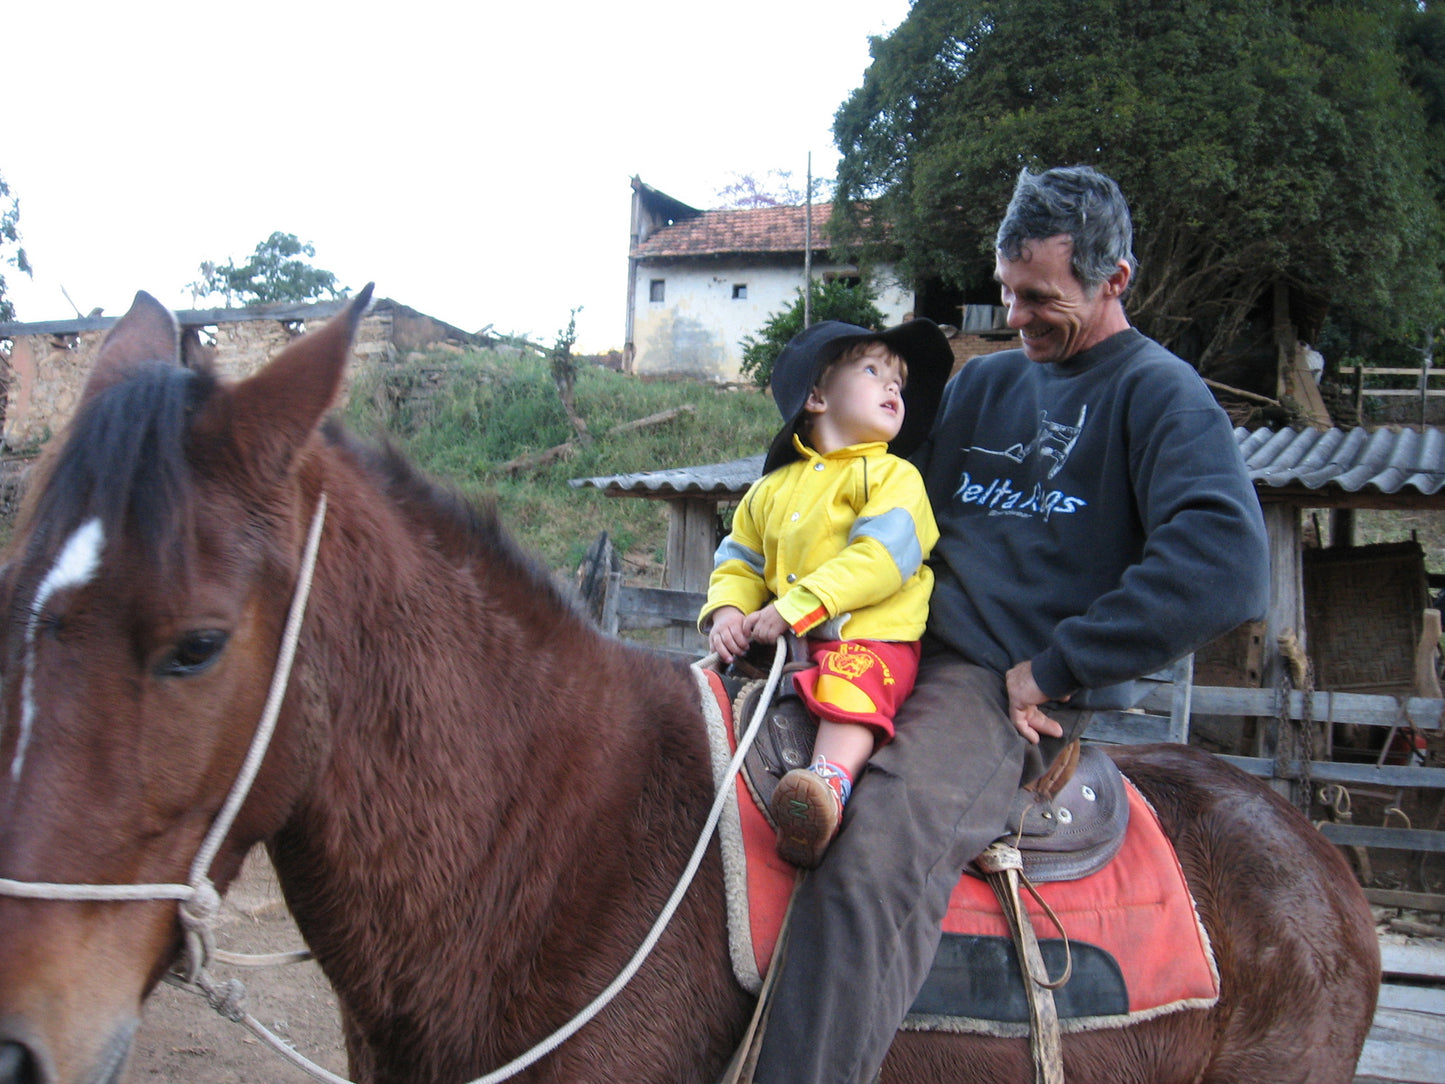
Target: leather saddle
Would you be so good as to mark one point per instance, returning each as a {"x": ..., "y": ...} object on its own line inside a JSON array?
[{"x": 1067, "y": 824}]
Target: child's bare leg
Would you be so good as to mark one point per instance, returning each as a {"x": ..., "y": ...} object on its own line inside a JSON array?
[{"x": 848, "y": 745}]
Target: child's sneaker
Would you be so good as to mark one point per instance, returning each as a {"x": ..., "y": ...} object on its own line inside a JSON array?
[{"x": 807, "y": 807}]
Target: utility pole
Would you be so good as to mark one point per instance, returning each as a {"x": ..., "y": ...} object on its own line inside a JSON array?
[{"x": 808, "y": 248}]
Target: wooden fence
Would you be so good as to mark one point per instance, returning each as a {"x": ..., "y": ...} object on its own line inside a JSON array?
[{"x": 1422, "y": 376}]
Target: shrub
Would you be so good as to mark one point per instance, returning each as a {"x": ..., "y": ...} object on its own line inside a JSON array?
[{"x": 852, "y": 303}]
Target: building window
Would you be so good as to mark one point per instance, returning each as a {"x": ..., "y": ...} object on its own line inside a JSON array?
[
  {"x": 740, "y": 291},
  {"x": 657, "y": 290}
]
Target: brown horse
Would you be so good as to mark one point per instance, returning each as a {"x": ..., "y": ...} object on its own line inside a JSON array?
[{"x": 476, "y": 802}]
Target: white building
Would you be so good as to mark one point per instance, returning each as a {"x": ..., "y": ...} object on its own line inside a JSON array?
[{"x": 699, "y": 281}]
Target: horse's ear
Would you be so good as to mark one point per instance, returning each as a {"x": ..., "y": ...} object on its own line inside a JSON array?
[
  {"x": 147, "y": 333},
  {"x": 194, "y": 353},
  {"x": 271, "y": 414}
]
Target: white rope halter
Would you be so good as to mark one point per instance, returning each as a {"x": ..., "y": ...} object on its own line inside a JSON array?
[{"x": 200, "y": 902}]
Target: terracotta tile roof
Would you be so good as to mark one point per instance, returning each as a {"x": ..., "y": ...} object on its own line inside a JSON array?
[{"x": 749, "y": 229}]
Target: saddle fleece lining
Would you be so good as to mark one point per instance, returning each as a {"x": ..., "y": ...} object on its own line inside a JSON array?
[{"x": 730, "y": 833}]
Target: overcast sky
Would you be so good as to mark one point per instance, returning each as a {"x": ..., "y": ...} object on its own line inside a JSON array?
[{"x": 471, "y": 158}]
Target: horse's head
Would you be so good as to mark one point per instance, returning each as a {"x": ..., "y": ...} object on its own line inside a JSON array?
[{"x": 144, "y": 600}]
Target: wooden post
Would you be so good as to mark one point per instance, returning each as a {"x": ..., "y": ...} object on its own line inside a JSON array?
[
  {"x": 1427, "y": 680},
  {"x": 1180, "y": 706},
  {"x": 1286, "y": 610},
  {"x": 691, "y": 542}
]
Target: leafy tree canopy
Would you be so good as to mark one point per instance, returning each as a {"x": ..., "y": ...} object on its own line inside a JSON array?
[
  {"x": 273, "y": 273},
  {"x": 838, "y": 299},
  {"x": 1297, "y": 142},
  {"x": 13, "y": 254}
]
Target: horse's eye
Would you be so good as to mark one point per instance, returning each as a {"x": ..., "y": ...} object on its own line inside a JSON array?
[{"x": 193, "y": 653}]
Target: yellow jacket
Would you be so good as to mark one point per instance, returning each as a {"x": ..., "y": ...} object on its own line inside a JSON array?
[{"x": 839, "y": 540}]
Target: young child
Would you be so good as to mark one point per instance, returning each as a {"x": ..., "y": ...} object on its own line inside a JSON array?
[{"x": 830, "y": 543}]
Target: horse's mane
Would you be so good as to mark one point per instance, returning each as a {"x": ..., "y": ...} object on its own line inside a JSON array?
[
  {"x": 463, "y": 527},
  {"x": 124, "y": 459}
]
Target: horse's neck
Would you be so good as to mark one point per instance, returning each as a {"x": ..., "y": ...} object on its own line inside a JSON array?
[{"x": 487, "y": 766}]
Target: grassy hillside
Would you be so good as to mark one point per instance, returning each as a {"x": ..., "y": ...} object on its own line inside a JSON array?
[{"x": 461, "y": 417}]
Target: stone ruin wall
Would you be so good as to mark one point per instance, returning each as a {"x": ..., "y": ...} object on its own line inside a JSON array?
[{"x": 44, "y": 374}]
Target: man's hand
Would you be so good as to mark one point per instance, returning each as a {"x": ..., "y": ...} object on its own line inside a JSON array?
[
  {"x": 726, "y": 635},
  {"x": 765, "y": 626},
  {"x": 1024, "y": 698}
]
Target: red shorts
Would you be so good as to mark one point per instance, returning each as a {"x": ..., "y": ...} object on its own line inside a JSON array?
[{"x": 859, "y": 681}]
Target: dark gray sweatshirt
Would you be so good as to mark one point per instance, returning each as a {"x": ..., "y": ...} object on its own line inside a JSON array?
[{"x": 1096, "y": 517}]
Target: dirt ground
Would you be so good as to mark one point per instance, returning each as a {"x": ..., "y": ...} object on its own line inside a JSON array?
[{"x": 182, "y": 1039}]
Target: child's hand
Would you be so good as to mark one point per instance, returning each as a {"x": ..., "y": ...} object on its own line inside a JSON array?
[
  {"x": 765, "y": 626},
  {"x": 726, "y": 635}
]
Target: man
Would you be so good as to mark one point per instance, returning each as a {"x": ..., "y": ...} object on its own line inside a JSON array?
[{"x": 1096, "y": 524}]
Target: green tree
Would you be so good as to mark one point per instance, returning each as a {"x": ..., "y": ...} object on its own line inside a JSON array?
[
  {"x": 273, "y": 273},
  {"x": 852, "y": 303},
  {"x": 1258, "y": 144},
  {"x": 14, "y": 253}
]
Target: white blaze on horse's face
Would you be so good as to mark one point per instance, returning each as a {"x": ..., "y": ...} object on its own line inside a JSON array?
[{"x": 75, "y": 567}]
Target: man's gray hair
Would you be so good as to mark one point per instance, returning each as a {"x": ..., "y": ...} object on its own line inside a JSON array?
[{"x": 1078, "y": 201}]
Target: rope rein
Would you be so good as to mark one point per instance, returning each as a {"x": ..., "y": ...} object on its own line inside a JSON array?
[{"x": 200, "y": 903}]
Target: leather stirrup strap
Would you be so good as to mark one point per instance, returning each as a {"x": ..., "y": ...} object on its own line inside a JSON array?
[
  {"x": 1003, "y": 867},
  {"x": 745, "y": 1060},
  {"x": 1059, "y": 772}
]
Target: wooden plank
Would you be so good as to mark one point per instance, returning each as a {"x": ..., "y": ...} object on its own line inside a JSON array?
[
  {"x": 1406, "y": 1044},
  {"x": 1350, "y": 370},
  {"x": 1430, "y": 999},
  {"x": 691, "y": 541},
  {"x": 1180, "y": 705},
  {"x": 1413, "y": 960},
  {"x": 1427, "y": 680},
  {"x": 1401, "y": 1062},
  {"x": 1386, "y": 776},
  {"x": 1361, "y": 708},
  {"x": 1431, "y": 393},
  {"x": 187, "y": 318},
  {"x": 1284, "y": 526},
  {"x": 1399, "y": 839},
  {"x": 1124, "y": 728},
  {"x": 681, "y": 607},
  {"x": 1260, "y": 766},
  {"x": 1410, "y": 1024},
  {"x": 1416, "y": 901},
  {"x": 1127, "y": 728}
]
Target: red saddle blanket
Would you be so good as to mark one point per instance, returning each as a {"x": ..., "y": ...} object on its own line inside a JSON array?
[{"x": 1138, "y": 947}]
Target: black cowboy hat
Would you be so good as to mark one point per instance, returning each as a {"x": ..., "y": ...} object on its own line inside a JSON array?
[{"x": 921, "y": 343}]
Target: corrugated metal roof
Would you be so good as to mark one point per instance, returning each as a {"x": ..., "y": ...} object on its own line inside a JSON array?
[
  {"x": 1388, "y": 460},
  {"x": 722, "y": 479}
]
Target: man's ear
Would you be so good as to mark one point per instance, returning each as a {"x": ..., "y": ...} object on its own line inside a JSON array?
[{"x": 1118, "y": 282}]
